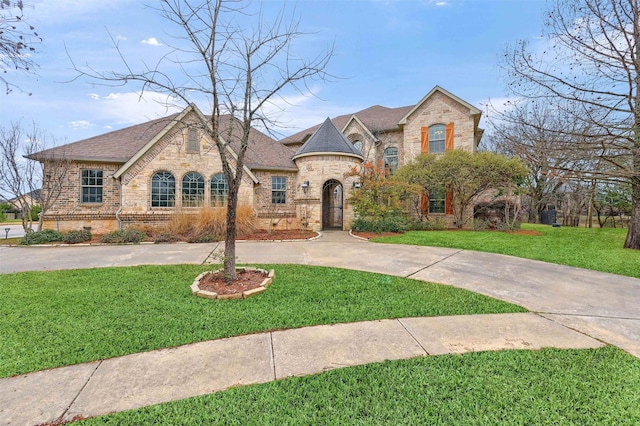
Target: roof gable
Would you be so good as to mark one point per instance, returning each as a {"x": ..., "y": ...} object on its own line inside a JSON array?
[
  {"x": 473, "y": 110},
  {"x": 327, "y": 139}
]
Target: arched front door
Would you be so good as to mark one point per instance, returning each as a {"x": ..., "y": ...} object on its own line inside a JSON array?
[{"x": 332, "y": 204}]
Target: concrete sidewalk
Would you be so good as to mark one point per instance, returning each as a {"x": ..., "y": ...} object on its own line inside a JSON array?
[
  {"x": 164, "y": 375},
  {"x": 572, "y": 308}
]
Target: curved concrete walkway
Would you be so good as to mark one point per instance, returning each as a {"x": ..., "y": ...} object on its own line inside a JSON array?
[{"x": 570, "y": 307}]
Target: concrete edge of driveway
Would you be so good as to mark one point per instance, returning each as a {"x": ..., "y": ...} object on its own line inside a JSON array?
[{"x": 142, "y": 379}]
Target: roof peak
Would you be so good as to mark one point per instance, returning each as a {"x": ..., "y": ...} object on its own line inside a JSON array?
[{"x": 327, "y": 139}]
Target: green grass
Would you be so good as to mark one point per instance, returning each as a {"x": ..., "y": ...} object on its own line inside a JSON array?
[
  {"x": 594, "y": 248},
  {"x": 10, "y": 241},
  {"x": 58, "y": 318},
  {"x": 547, "y": 387}
]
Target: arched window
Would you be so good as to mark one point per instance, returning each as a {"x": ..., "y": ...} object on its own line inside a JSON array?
[
  {"x": 437, "y": 134},
  {"x": 163, "y": 190},
  {"x": 358, "y": 145},
  {"x": 219, "y": 190},
  {"x": 192, "y": 190},
  {"x": 391, "y": 159}
]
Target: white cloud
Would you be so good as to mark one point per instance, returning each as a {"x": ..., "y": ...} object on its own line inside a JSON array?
[
  {"x": 151, "y": 41},
  {"x": 80, "y": 124},
  {"x": 131, "y": 108}
]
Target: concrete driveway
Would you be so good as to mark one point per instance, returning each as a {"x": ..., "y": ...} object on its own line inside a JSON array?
[{"x": 603, "y": 306}]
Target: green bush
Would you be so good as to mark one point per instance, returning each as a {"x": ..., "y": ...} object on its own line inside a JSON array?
[
  {"x": 35, "y": 212},
  {"x": 435, "y": 224},
  {"x": 385, "y": 224},
  {"x": 41, "y": 237},
  {"x": 124, "y": 236},
  {"x": 73, "y": 237}
]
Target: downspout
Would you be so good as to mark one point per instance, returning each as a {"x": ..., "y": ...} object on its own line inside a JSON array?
[{"x": 119, "y": 181}]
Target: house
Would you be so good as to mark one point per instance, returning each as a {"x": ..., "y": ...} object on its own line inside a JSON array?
[{"x": 147, "y": 172}]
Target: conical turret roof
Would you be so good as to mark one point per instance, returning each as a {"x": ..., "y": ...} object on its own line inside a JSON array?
[{"x": 328, "y": 140}]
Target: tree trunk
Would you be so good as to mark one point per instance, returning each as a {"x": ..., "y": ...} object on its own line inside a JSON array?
[
  {"x": 230, "y": 236},
  {"x": 633, "y": 234}
]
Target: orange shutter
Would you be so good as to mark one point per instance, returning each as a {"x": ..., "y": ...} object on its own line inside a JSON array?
[
  {"x": 424, "y": 146},
  {"x": 424, "y": 202},
  {"x": 448, "y": 203},
  {"x": 448, "y": 142}
]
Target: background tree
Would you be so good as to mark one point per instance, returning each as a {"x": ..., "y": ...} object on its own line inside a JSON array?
[
  {"x": 24, "y": 181},
  {"x": 17, "y": 40},
  {"x": 536, "y": 133},
  {"x": 465, "y": 176},
  {"x": 612, "y": 200},
  {"x": 592, "y": 61},
  {"x": 238, "y": 63}
]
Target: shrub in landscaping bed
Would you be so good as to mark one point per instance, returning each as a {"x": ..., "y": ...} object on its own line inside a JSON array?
[
  {"x": 386, "y": 224},
  {"x": 73, "y": 237},
  {"x": 124, "y": 236},
  {"x": 41, "y": 237}
]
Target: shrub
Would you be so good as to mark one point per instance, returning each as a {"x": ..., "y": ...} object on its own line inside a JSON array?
[
  {"x": 207, "y": 224},
  {"x": 435, "y": 224},
  {"x": 35, "y": 212},
  {"x": 123, "y": 236},
  {"x": 385, "y": 224},
  {"x": 41, "y": 237},
  {"x": 73, "y": 237}
]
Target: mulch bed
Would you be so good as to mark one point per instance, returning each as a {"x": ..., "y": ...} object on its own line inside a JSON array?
[{"x": 247, "y": 280}]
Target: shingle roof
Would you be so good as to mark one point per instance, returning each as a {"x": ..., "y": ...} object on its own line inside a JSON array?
[
  {"x": 376, "y": 118},
  {"x": 117, "y": 146},
  {"x": 121, "y": 145},
  {"x": 327, "y": 139}
]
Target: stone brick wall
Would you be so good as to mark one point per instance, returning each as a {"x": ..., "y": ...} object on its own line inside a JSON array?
[
  {"x": 70, "y": 213},
  {"x": 277, "y": 216},
  {"x": 170, "y": 154},
  {"x": 318, "y": 169},
  {"x": 439, "y": 109}
]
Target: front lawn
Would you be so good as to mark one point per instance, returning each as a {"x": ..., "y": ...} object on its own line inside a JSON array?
[
  {"x": 56, "y": 318},
  {"x": 594, "y": 248},
  {"x": 547, "y": 387}
]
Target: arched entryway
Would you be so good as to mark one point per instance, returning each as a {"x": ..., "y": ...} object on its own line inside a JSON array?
[{"x": 332, "y": 198}]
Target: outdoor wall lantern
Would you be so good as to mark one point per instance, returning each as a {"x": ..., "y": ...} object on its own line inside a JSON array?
[
  {"x": 357, "y": 185},
  {"x": 305, "y": 186}
]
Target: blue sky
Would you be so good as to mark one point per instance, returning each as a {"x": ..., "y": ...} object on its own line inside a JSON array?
[{"x": 388, "y": 53}]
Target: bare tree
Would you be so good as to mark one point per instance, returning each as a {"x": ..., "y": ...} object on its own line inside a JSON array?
[
  {"x": 236, "y": 61},
  {"x": 548, "y": 144},
  {"x": 24, "y": 181},
  {"x": 593, "y": 62},
  {"x": 17, "y": 40}
]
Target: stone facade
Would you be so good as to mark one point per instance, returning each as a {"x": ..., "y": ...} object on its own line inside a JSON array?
[{"x": 313, "y": 189}]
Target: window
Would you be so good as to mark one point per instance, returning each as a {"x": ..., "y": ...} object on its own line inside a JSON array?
[
  {"x": 219, "y": 190},
  {"x": 163, "y": 190},
  {"x": 391, "y": 159},
  {"x": 192, "y": 190},
  {"x": 193, "y": 144},
  {"x": 91, "y": 186},
  {"x": 437, "y": 200},
  {"x": 437, "y": 134},
  {"x": 358, "y": 146},
  {"x": 278, "y": 190}
]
